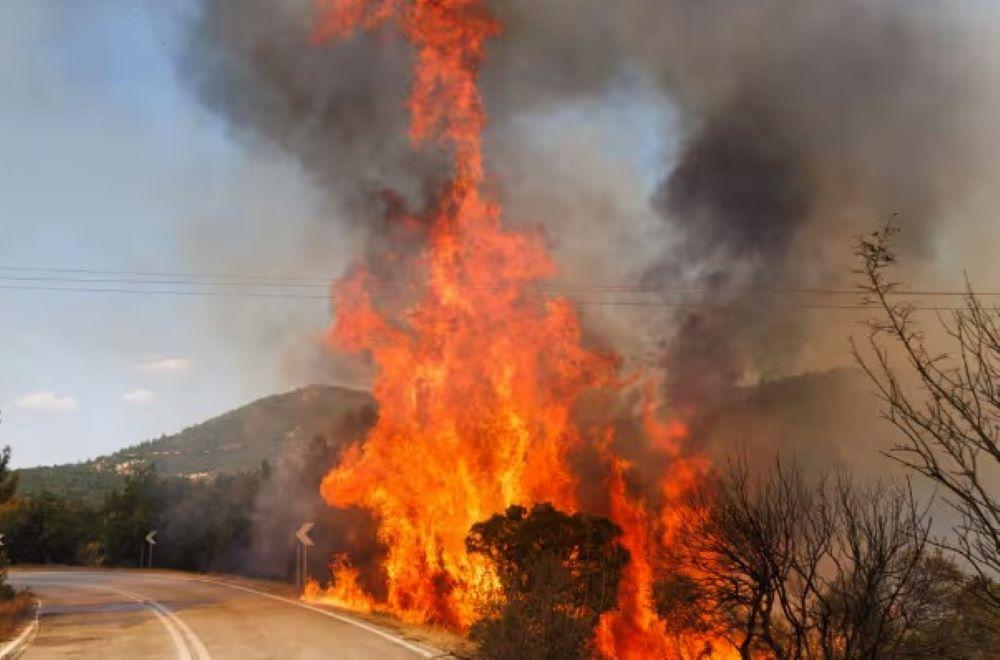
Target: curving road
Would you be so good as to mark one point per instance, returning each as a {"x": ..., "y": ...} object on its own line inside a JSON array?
[{"x": 139, "y": 614}]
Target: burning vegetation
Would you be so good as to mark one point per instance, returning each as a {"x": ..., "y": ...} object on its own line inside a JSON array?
[
  {"x": 514, "y": 477},
  {"x": 480, "y": 375},
  {"x": 498, "y": 406}
]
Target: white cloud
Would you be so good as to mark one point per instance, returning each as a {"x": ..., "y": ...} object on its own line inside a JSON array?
[
  {"x": 139, "y": 397},
  {"x": 46, "y": 402},
  {"x": 172, "y": 365}
]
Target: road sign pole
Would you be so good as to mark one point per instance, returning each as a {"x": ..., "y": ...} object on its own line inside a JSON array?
[
  {"x": 302, "y": 558},
  {"x": 151, "y": 542}
]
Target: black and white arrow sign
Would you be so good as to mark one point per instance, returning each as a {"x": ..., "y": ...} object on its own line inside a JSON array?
[
  {"x": 303, "y": 534},
  {"x": 151, "y": 538}
]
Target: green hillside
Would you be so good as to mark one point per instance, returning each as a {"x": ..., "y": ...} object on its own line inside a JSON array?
[{"x": 237, "y": 440}]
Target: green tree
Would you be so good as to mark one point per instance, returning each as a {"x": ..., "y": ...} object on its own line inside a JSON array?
[
  {"x": 8, "y": 477},
  {"x": 8, "y": 487},
  {"x": 558, "y": 574},
  {"x": 46, "y": 528},
  {"x": 129, "y": 514},
  {"x": 207, "y": 526}
]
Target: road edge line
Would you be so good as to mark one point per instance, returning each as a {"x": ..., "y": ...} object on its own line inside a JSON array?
[
  {"x": 191, "y": 639},
  {"x": 17, "y": 645},
  {"x": 176, "y": 635},
  {"x": 424, "y": 650},
  {"x": 427, "y": 652},
  {"x": 175, "y": 632}
]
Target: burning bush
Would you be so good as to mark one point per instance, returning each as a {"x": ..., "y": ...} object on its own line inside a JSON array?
[{"x": 557, "y": 574}]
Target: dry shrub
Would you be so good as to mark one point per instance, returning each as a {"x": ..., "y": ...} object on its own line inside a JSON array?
[{"x": 13, "y": 612}]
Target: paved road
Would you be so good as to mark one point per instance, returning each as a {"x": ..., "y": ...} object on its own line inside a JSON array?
[{"x": 135, "y": 614}]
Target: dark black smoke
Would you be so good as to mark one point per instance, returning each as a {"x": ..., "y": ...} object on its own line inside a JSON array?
[
  {"x": 738, "y": 198},
  {"x": 813, "y": 122},
  {"x": 739, "y": 193}
]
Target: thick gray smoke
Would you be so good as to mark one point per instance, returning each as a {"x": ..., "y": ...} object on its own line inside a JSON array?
[
  {"x": 290, "y": 496},
  {"x": 814, "y": 122},
  {"x": 800, "y": 124},
  {"x": 340, "y": 109}
]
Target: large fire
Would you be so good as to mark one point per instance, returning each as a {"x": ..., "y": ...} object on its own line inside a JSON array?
[{"x": 480, "y": 373}]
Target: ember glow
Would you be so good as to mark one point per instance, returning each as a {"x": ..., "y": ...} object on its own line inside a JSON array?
[{"x": 478, "y": 372}]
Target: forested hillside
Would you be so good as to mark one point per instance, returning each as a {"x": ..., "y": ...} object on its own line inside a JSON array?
[{"x": 236, "y": 441}]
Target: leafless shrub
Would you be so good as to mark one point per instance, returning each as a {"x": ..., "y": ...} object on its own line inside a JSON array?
[
  {"x": 790, "y": 569},
  {"x": 951, "y": 420}
]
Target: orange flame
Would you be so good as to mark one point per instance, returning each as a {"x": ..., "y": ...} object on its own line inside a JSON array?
[
  {"x": 633, "y": 630},
  {"x": 344, "y": 591},
  {"x": 478, "y": 378}
]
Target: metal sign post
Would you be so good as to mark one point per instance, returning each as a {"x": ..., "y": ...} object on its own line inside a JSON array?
[
  {"x": 151, "y": 541},
  {"x": 302, "y": 557}
]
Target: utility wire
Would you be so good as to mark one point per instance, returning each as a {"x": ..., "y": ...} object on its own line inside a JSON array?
[
  {"x": 167, "y": 292},
  {"x": 294, "y": 296},
  {"x": 188, "y": 282},
  {"x": 145, "y": 273},
  {"x": 272, "y": 281}
]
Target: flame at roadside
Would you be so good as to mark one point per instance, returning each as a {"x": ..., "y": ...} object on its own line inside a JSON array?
[
  {"x": 478, "y": 372},
  {"x": 344, "y": 591},
  {"x": 634, "y": 630}
]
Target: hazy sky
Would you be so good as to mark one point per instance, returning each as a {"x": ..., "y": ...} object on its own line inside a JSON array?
[{"x": 109, "y": 162}]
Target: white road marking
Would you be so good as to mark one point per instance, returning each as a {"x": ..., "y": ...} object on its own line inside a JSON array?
[
  {"x": 181, "y": 635},
  {"x": 200, "y": 652},
  {"x": 424, "y": 652},
  {"x": 333, "y": 615},
  {"x": 16, "y": 645}
]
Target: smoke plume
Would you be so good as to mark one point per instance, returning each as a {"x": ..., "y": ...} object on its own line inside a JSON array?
[
  {"x": 814, "y": 122},
  {"x": 796, "y": 125}
]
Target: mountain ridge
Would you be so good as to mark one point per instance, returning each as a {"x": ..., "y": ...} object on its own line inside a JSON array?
[{"x": 237, "y": 440}]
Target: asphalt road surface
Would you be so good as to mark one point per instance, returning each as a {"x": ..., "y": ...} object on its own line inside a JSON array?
[{"x": 136, "y": 614}]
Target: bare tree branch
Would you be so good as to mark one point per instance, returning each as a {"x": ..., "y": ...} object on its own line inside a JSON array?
[{"x": 951, "y": 421}]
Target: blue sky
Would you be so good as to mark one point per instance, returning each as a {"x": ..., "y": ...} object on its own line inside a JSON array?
[{"x": 109, "y": 163}]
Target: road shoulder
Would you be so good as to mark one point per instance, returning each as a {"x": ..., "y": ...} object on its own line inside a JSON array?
[{"x": 23, "y": 635}]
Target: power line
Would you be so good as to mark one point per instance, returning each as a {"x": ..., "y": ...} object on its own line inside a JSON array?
[
  {"x": 146, "y": 273},
  {"x": 188, "y": 282},
  {"x": 293, "y": 296},
  {"x": 275, "y": 281},
  {"x": 168, "y": 292}
]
